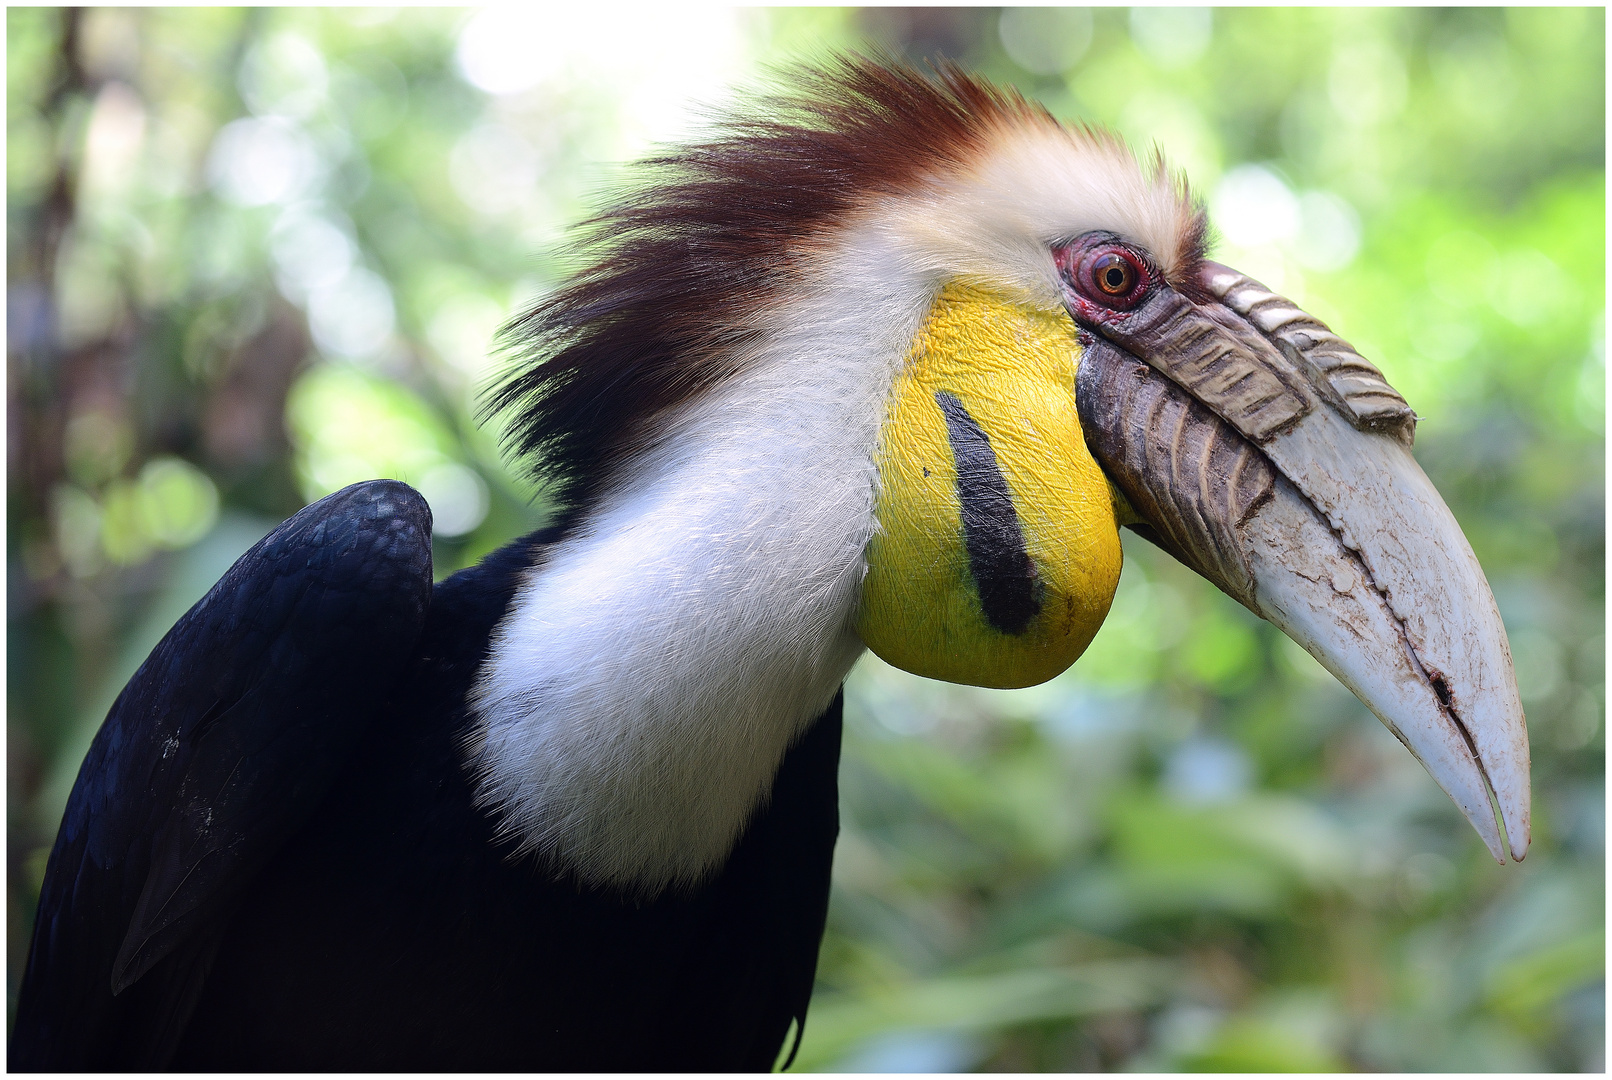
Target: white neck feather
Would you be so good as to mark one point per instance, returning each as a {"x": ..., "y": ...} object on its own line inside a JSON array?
[{"x": 651, "y": 674}]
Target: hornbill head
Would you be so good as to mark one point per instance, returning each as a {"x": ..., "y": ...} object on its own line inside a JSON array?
[
  {"x": 889, "y": 361},
  {"x": 1236, "y": 432}
]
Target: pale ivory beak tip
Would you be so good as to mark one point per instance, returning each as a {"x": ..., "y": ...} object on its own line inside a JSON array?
[{"x": 1520, "y": 836}]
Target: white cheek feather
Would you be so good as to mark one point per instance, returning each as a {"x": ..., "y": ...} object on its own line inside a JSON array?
[{"x": 655, "y": 668}]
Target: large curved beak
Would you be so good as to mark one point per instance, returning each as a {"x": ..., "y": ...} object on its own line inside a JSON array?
[{"x": 1258, "y": 448}]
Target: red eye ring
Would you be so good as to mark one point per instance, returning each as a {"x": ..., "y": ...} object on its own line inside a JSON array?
[
  {"x": 1104, "y": 273},
  {"x": 1111, "y": 275}
]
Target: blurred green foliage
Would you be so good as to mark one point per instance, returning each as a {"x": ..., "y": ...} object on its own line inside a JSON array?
[{"x": 256, "y": 254}]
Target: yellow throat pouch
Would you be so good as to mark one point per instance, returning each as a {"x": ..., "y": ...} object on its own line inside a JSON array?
[{"x": 996, "y": 552}]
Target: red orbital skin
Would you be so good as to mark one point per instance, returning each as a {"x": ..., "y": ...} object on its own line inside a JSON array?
[{"x": 1103, "y": 278}]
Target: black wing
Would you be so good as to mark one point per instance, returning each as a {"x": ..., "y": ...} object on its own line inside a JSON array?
[{"x": 222, "y": 745}]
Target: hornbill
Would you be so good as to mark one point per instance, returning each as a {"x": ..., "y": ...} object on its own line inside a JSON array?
[{"x": 884, "y": 361}]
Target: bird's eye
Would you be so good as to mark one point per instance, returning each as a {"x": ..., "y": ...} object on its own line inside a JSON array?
[
  {"x": 1105, "y": 273},
  {"x": 1114, "y": 274}
]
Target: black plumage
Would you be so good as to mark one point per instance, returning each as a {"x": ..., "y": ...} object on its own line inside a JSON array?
[{"x": 272, "y": 859}]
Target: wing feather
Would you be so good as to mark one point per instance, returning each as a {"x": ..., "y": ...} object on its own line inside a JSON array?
[{"x": 222, "y": 745}]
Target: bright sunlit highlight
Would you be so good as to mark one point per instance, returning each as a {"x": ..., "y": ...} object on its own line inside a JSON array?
[{"x": 659, "y": 61}]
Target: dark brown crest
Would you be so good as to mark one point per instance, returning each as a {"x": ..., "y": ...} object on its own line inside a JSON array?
[{"x": 706, "y": 235}]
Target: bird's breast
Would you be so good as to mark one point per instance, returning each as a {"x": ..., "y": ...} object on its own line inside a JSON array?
[{"x": 996, "y": 551}]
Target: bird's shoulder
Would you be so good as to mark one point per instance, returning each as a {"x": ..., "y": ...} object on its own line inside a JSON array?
[{"x": 217, "y": 750}]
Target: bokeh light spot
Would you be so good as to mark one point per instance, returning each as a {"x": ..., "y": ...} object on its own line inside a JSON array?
[
  {"x": 462, "y": 332},
  {"x": 1367, "y": 82},
  {"x": 1205, "y": 770},
  {"x": 1045, "y": 40},
  {"x": 114, "y": 139},
  {"x": 1329, "y": 232},
  {"x": 310, "y": 252},
  {"x": 457, "y": 497},
  {"x": 1172, "y": 36},
  {"x": 254, "y": 162},
  {"x": 1461, "y": 268},
  {"x": 354, "y": 317},
  {"x": 178, "y": 501},
  {"x": 284, "y": 76},
  {"x": 1252, "y": 206},
  {"x": 123, "y": 534},
  {"x": 494, "y": 169},
  {"x": 347, "y": 426}
]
